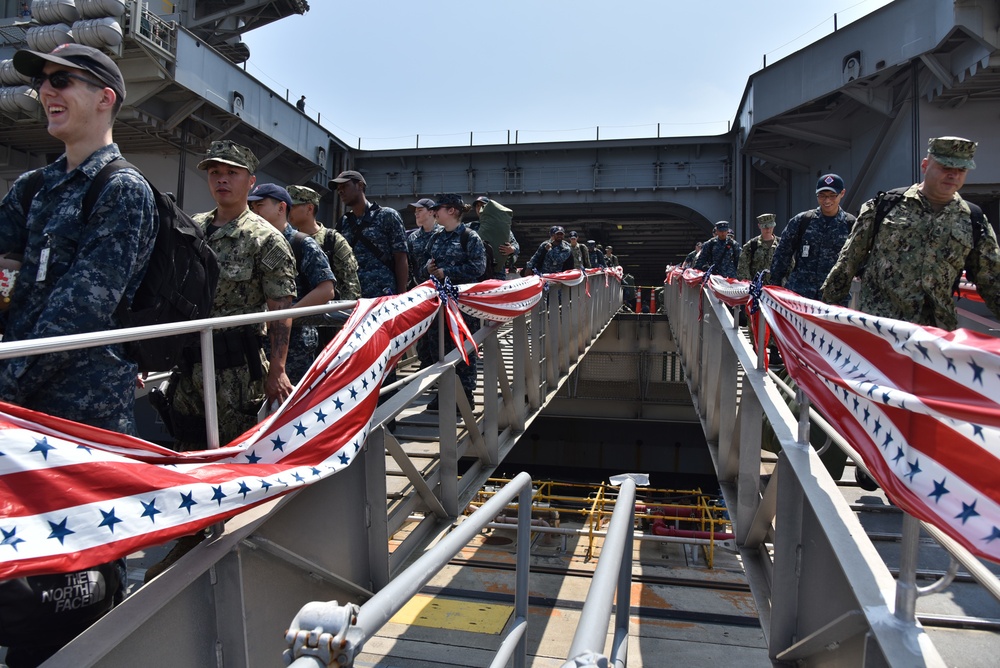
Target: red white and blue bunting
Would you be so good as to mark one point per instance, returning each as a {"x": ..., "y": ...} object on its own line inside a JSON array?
[
  {"x": 919, "y": 404},
  {"x": 73, "y": 496}
]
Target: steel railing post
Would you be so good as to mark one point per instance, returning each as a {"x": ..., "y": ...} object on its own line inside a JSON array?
[
  {"x": 208, "y": 393},
  {"x": 592, "y": 629},
  {"x": 906, "y": 581}
]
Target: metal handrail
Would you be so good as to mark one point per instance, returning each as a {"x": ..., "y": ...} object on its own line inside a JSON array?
[
  {"x": 317, "y": 625},
  {"x": 957, "y": 552},
  {"x": 782, "y": 528},
  {"x": 203, "y": 328},
  {"x": 613, "y": 571}
]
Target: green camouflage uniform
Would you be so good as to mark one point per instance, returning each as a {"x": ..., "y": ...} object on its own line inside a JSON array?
[
  {"x": 255, "y": 264},
  {"x": 342, "y": 261},
  {"x": 755, "y": 258},
  {"x": 914, "y": 262}
]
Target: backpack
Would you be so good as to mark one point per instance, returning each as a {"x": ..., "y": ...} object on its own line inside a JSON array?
[
  {"x": 488, "y": 272},
  {"x": 51, "y": 609},
  {"x": 180, "y": 278},
  {"x": 298, "y": 244},
  {"x": 886, "y": 202}
]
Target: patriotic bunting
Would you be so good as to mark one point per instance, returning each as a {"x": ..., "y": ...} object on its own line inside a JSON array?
[
  {"x": 919, "y": 404},
  {"x": 73, "y": 496}
]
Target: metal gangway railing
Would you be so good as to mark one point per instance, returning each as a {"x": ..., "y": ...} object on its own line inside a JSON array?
[
  {"x": 226, "y": 601},
  {"x": 327, "y": 633},
  {"x": 824, "y": 594}
]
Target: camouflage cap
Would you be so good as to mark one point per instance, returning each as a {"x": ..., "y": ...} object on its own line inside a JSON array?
[
  {"x": 230, "y": 153},
  {"x": 766, "y": 220},
  {"x": 303, "y": 195},
  {"x": 953, "y": 151}
]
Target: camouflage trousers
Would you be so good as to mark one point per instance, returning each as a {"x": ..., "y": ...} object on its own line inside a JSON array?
[{"x": 238, "y": 399}]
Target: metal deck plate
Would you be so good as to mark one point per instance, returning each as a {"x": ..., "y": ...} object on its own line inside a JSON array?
[{"x": 454, "y": 615}]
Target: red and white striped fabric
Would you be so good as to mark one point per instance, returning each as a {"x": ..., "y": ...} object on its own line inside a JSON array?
[
  {"x": 920, "y": 405},
  {"x": 72, "y": 496}
]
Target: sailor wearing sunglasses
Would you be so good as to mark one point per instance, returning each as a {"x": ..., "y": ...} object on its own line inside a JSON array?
[{"x": 75, "y": 270}]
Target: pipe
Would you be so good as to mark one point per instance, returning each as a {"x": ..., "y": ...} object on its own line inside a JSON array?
[
  {"x": 661, "y": 529},
  {"x": 675, "y": 513},
  {"x": 640, "y": 536},
  {"x": 502, "y": 519}
]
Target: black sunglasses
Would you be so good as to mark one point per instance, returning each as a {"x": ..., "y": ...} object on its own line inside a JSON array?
[{"x": 61, "y": 79}]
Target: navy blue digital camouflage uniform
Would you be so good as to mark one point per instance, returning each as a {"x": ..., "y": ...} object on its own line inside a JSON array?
[
  {"x": 596, "y": 259},
  {"x": 550, "y": 258},
  {"x": 312, "y": 269},
  {"x": 723, "y": 255},
  {"x": 416, "y": 248},
  {"x": 459, "y": 266},
  {"x": 383, "y": 227},
  {"x": 416, "y": 253},
  {"x": 92, "y": 265},
  {"x": 824, "y": 237}
]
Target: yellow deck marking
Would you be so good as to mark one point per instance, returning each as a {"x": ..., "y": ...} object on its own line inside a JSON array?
[{"x": 446, "y": 613}]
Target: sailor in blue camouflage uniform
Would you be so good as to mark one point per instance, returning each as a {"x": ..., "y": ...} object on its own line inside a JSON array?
[
  {"x": 376, "y": 235},
  {"x": 554, "y": 255},
  {"x": 811, "y": 242},
  {"x": 596, "y": 255},
  {"x": 75, "y": 272},
  {"x": 721, "y": 253},
  {"x": 314, "y": 280},
  {"x": 449, "y": 259},
  {"x": 417, "y": 238},
  {"x": 416, "y": 251}
]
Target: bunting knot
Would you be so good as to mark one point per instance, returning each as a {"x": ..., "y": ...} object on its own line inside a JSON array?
[{"x": 446, "y": 291}]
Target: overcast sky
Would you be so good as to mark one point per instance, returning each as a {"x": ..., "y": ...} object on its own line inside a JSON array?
[{"x": 386, "y": 71}]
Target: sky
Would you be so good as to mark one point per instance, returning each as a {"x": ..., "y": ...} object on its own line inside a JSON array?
[{"x": 397, "y": 73}]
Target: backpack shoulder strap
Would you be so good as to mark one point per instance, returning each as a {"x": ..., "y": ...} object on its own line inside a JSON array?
[
  {"x": 298, "y": 244},
  {"x": 884, "y": 203},
  {"x": 97, "y": 185},
  {"x": 358, "y": 234},
  {"x": 31, "y": 187},
  {"x": 330, "y": 244},
  {"x": 978, "y": 222},
  {"x": 807, "y": 218},
  {"x": 753, "y": 248}
]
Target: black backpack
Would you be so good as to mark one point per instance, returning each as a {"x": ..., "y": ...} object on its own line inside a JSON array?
[
  {"x": 180, "y": 278},
  {"x": 887, "y": 200},
  {"x": 51, "y": 609},
  {"x": 488, "y": 272}
]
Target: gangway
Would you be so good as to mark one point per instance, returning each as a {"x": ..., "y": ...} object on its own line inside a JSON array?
[
  {"x": 833, "y": 568},
  {"x": 225, "y": 602}
]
